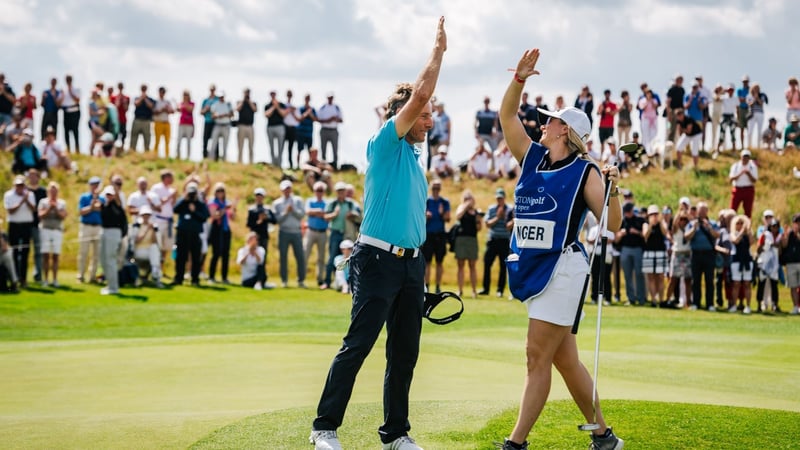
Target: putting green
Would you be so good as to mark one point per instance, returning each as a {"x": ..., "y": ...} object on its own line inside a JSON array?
[{"x": 449, "y": 425}]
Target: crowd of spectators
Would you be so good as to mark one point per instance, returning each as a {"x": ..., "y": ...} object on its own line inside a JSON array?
[{"x": 665, "y": 259}]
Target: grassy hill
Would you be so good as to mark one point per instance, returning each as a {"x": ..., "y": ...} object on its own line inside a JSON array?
[{"x": 776, "y": 190}]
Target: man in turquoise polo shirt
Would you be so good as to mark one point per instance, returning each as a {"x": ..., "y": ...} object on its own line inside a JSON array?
[{"x": 386, "y": 270}]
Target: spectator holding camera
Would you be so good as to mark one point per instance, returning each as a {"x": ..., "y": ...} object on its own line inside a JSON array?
[
  {"x": 145, "y": 243},
  {"x": 251, "y": 259},
  {"x": 466, "y": 244},
  {"x": 115, "y": 227},
  {"x": 192, "y": 214}
]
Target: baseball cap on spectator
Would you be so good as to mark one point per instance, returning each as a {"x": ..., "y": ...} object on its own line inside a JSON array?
[
  {"x": 627, "y": 207},
  {"x": 259, "y": 191},
  {"x": 652, "y": 209},
  {"x": 442, "y": 149},
  {"x": 774, "y": 223},
  {"x": 685, "y": 201},
  {"x": 611, "y": 141},
  {"x": 145, "y": 210},
  {"x": 329, "y": 94},
  {"x": 107, "y": 138},
  {"x": 27, "y": 132},
  {"x": 796, "y": 218},
  {"x": 320, "y": 186},
  {"x": 285, "y": 184},
  {"x": 347, "y": 243},
  {"x": 794, "y": 118},
  {"x": 574, "y": 118},
  {"x": 747, "y": 153},
  {"x": 49, "y": 130},
  {"x": 666, "y": 210},
  {"x": 339, "y": 186},
  {"x": 499, "y": 193},
  {"x": 19, "y": 179},
  {"x": 769, "y": 213},
  {"x": 745, "y": 78},
  {"x": 95, "y": 180},
  {"x": 627, "y": 193},
  {"x": 191, "y": 188},
  {"x": 731, "y": 87},
  {"x": 109, "y": 190}
]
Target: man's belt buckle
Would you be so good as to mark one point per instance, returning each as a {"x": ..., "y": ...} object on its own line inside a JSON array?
[{"x": 400, "y": 251}]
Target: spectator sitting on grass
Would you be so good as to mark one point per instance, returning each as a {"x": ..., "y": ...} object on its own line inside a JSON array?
[
  {"x": 441, "y": 166},
  {"x": 770, "y": 137},
  {"x": 505, "y": 165},
  {"x": 26, "y": 155},
  {"x": 251, "y": 259},
  {"x": 315, "y": 169},
  {"x": 480, "y": 163},
  {"x": 792, "y": 132},
  {"x": 342, "y": 268},
  {"x": 53, "y": 152}
]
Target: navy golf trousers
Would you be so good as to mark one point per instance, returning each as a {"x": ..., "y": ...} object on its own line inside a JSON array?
[{"x": 386, "y": 289}]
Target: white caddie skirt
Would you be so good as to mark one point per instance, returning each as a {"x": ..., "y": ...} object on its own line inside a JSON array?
[{"x": 558, "y": 303}]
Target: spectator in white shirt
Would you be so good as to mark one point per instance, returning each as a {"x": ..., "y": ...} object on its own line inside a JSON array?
[
  {"x": 20, "y": 204},
  {"x": 251, "y": 259},
  {"x": 52, "y": 211},
  {"x": 441, "y": 166},
  {"x": 480, "y": 163},
  {"x": 743, "y": 177},
  {"x": 167, "y": 196},
  {"x": 505, "y": 165},
  {"x": 142, "y": 197},
  {"x": 53, "y": 152},
  {"x": 222, "y": 112},
  {"x": 329, "y": 116}
]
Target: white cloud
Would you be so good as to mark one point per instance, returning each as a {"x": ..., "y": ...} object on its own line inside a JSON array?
[{"x": 196, "y": 12}]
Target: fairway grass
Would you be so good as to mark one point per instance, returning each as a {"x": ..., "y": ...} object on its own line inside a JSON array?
[{"x": 165, "y": 369}]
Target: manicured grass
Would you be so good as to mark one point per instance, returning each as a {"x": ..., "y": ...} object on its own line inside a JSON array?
[{"x": 165, "y": 369}]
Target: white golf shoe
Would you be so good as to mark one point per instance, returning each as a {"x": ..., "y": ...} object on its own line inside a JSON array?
[
  {"x": 402, "y": 443},
  {"x": 325, "y": 440}
]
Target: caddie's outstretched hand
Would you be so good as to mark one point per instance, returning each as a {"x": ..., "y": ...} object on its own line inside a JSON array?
[{"x": 527, "y": 64}]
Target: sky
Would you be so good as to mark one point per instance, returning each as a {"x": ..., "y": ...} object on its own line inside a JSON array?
[{"x": 360, "y": 49}]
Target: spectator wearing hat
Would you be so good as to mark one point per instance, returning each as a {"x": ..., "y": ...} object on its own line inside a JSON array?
[
  {"x": 499, "y": 219},
  {"x": 246, "y": 111},
  {"x": 342, "y": 214},
  {"x": 289, "y": 211},
  {"x": 251, "y": 259},
  {"x": 315, "y": 169},
  {"x": 90, "y": 230},
  {"x": 276, "y": 112},
  {"x": 208, "y": 117},
  {"x": 487, "y": 125},
  {"x": 702, "y": 233},
  {"x": 768, "y": 251},
  {"x": 480, "y": 164},
  {"x": 790, "y": 252},
  {"x": 20, "y": 206},
  {"x": 342, "y": 275},
  {"x": 505, "y": 165},
  {"x": 329, "y": 117},
  {"x": 691, "y": 135},
  {"x": 317, "y": 230},
  {"x": 437, "y": 214},
  {"x": 53, "y": 152},
  {"x": 259, "y": 216},
  {"x": 791, "y": 134},
  {"x": 115, "y": 227},
  {"x": 743, "y": 176},
  {"x": 631, "y": 242},
  {"x": 222, "y": 113},
  {"x": 222, "y": 213},
  {"x": 26, "y": 155},
  {"x": 143, "y": 107},
  {"x": 192, "y": 214},
  {"x": 51, "y": 211},
  {"x": 164, "y": 218},
  {"x": 441, "y": 166},
  {"x": 145, "y": 243}
]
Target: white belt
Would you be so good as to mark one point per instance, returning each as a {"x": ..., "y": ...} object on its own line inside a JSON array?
[{"x": 400, "y": 252}]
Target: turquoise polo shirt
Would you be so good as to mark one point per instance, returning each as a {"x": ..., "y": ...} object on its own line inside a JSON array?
[{"x": 395, "y": 190}]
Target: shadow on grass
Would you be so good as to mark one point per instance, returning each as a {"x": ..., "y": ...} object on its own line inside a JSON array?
[
  {"x": 40, "y": 290},
  {"x": 136, "y": 298}
]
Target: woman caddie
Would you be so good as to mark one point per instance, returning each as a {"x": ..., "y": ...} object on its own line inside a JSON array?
[{"x": 547, "y": 267}]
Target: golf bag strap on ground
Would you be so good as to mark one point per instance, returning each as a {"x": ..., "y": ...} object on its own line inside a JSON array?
[{"x": 433, "y": 300}]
